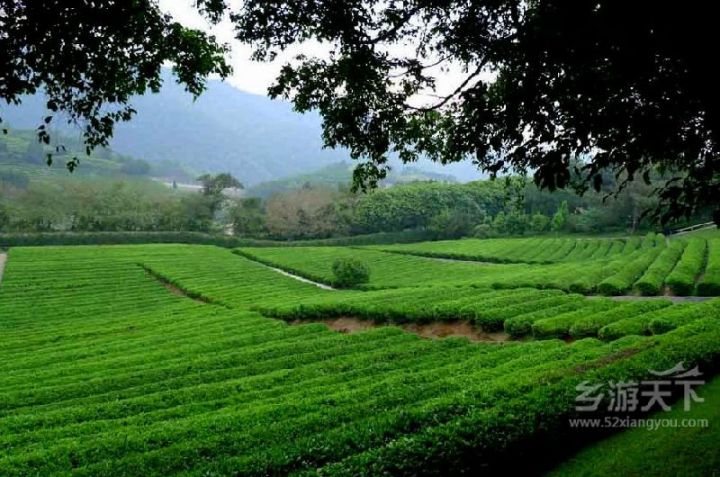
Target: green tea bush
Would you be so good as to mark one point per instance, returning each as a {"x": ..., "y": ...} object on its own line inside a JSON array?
[
  {"x": 668, "y": 322},
  {"x": 651, "y": 240},
  {"x": 618, "y": 283},
  {"x": 483, "y": 231},
  {"x": 591, "y": 324},
  {"x": 108, "y": 373},
  {"x": 593, "y": 273},
  {"x": 521, "y": 325},
  {"x": 710, "y": 283},
  {"x": 640, "y": 324},
  {"x": 494, "y": 434},
  {"x": 559, "y": 326},
  {"x": 118, "y": 238},
  {"x": 651, "y": 283},
  {"x": 350, "y": 272},
  {"x": 682, "y": 279},
  {"x": 114, "y": 238}
]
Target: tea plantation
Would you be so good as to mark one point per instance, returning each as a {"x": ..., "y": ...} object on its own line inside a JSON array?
[{"x": 192, "y": 360}]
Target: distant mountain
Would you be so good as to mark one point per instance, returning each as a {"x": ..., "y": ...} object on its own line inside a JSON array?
[
  {"x": 340, "y": 174},
  {"x": 20, "y": 153},
  {"x": 226, "y": 129}
]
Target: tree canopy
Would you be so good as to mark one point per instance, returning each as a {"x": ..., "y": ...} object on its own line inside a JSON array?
[
  {"x": 621, "y": 86},
  {"x": 564, "y": 90},
  {"x": 214, "y": 185},
  {"x": 89, "y": 58}
]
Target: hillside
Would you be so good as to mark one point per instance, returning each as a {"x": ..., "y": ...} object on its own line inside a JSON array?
[
  {"x": 20, "y": 153},
  {"x": 251, "y": 136},
  {"x": 340, "y": 174}
]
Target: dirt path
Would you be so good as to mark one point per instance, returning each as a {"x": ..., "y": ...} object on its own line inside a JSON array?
[
  {"x": 288, "y": 274},
  {"x": 457, "y": 260},
  {"x": 3, "y": 259},
  {"x": 298, "y": 278}
]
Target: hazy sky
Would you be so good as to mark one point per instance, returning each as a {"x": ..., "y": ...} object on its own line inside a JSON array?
[
  {"x": 247, "y": 75},
  {"x": 255, "y": 77}
]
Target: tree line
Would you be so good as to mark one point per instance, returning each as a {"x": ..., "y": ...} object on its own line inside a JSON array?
[
  {"x": 482, "y": 209},
  {"x": 504, "y": 207}
]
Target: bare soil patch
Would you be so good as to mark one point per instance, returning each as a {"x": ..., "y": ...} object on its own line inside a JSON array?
[
  {"x": 437, "y": 330},
  {"x": 342, "y": 325},
  {"x": 443, "y": 329}
]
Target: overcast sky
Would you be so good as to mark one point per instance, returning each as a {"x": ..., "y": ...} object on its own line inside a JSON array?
[
  {"x": 247, "y": 75},
  {"x": 255, "y": 77}
]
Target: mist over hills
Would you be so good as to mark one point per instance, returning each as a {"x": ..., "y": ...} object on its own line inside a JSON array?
[{"x": 225, "y": 129}]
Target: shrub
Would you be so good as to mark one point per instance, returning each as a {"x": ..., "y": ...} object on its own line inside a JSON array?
[
  {"x": 652, "y": 281},
  {"x": 456, "y": 221},
  {"x": 114, "y": 238},
  {"x": 111, "y": 238},
  {"x": 539, "y": 222},
  {"x": 558, "y": 221},
  {"x": 521, "y": 325},
  {"x": 682, "y": 279},
  {"x": 710, "y": 283},
  {"x": 350, "y": 272},
  {"x": 667, "y": 322},
  {"x": 559, "y": 326},
  {"x": 612, "y": 286},
  {"x": 591, "y": 324},
  {"x": 483, "y": 231},
  {"x": 618, "y": 283},
  {"x": 593, "y": 273},
  {"x": 651, "y": 240},
  {"x": 640, "y": 324}
]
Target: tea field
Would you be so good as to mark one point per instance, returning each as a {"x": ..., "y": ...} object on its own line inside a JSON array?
[
  {"x": 192, "y": 360},
  {"x": 648, "y": 266}
]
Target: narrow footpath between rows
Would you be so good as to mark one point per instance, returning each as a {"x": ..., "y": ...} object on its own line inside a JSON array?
[
  {"x": 3, "y": 259},
  {"x": 291, "y": 275}
]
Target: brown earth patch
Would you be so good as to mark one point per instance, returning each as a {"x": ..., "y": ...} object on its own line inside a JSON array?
[
  {"x": 437, "y": 330},
  {"x": 342, "y": 325},
  {"x": 444, "y": 329}
]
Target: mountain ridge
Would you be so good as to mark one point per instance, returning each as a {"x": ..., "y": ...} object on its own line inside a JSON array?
[{"x": 225, "y": 129}]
